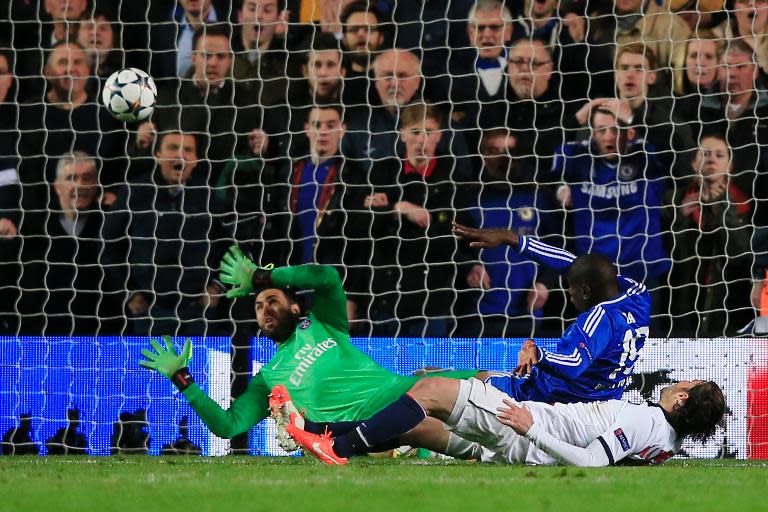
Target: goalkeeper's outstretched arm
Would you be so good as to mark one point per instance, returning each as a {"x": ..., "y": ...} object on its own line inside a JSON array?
[{"x": 246, "y": 411}]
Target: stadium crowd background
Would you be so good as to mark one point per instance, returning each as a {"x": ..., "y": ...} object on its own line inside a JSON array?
[{"x": 354, "y": 133}]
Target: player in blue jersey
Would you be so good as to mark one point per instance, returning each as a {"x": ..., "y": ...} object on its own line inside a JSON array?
[
  {"x": 597, "y": 353},
  {"x": 614, "y": 187}
]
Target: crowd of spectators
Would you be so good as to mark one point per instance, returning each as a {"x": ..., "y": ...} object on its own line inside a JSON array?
[{"x": 354, "y": 132}]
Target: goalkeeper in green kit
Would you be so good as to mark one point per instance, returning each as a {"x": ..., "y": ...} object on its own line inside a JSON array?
[{"x": 316, "y": 368}]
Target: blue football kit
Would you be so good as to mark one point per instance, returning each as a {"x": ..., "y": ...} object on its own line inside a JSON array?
[{"x": 596, "y": 354}]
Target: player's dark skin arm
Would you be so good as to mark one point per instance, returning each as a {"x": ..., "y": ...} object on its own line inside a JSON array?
[{"x": 481, "y": 238}]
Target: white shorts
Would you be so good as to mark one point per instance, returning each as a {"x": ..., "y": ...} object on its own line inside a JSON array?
[{"x": 474, "y": 418}]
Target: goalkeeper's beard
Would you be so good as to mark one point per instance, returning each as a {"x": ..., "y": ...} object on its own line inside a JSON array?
[{"x": 284, "y": 326}]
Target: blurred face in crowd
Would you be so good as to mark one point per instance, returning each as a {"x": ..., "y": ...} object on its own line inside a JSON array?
[
  {"x": 6, "y": 78},
  {"x": 701, "y": 62},
  {"x": 67, "y": 72},
  {"x": 488, "y": 32},
  {"x": 77, "y": 186},
  {"x": 713, "y": 160},
  {"x": 323, "y": 71},
  {"x": 65, "y": 10},
  {"x": 633, "y": 76},
  {"x": 275, "y": 314},
  {"x": 324, "y": 130},
  {"x": 497, "y": 149},
  {"x": 737, "y": 74},
  {"x": 540, "y": 8},
  {"x": 259, "y": 20},
  {"x": 96, "y": 36},
  {"x": 751, "y": 16},
  {"x": 397, "y": 77},
  {"x": 609, "y": 139},
  {"x": 212, "y": 60},
  {"x": 362, "y": 36},
  {"x": 530, "y": 69},
  {"x": 628, "y": 6},
  {"x": 196, "y": 8},
  {"x": 177, "y": 157},
  {"x": 421, "y": 140}
]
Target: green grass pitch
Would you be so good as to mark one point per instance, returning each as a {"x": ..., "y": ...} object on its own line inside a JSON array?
[{"x": 234, "y": 484}]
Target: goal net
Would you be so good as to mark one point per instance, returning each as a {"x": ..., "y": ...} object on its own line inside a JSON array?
[{"x": 354, "y": 134}]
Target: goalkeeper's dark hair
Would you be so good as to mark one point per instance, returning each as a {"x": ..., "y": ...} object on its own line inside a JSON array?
[
  {"x": 698, "y": 416},
  {"x": 291, "y": 293}
]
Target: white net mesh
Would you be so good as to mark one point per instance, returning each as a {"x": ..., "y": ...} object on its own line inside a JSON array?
[{"x": 353, "y": 134}]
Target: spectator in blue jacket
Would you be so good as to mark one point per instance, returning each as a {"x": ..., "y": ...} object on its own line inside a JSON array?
[
  {"x": 512, "y": 290},
  {"x": 614, "y": 187}
]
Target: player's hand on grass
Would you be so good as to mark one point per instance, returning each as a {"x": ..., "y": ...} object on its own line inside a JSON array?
[
  {"x": 515, "y": 416},
  {"x": 238, "y": 270},
  {"x": 526, "y": 358},
  {"x": 485, "y": 238},
  {"x": 164, "y": 360}
]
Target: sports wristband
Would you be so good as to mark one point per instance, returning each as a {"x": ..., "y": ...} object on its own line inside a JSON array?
[
  {"x": 182, "y": 379},
  {"x": 261, "y": 278}
]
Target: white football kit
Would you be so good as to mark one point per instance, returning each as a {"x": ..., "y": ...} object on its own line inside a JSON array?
[{"x": 581, "y": 434}]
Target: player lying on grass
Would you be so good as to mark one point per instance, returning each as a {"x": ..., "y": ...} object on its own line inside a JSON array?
[
  {"x": 593, "y": 359},
  {"x": 581, "y": 434},
  {"x": 336, "y": 384}
]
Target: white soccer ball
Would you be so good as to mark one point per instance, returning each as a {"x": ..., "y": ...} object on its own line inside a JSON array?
[{"x": 129, "y": 95}]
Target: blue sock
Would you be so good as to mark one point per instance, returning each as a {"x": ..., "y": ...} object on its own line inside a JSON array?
[{"x": 388, "y": 424}]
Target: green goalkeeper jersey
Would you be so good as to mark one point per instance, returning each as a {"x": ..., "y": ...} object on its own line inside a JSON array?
[{"x": 324, "y": 373}]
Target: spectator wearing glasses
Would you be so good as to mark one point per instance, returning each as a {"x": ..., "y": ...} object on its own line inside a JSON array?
[
  {"x": 564, "y": 33},
  {"x": 479, "y": 80},
  {"x": 538, "y": 118},
  {"x": 372, "y": 132}
]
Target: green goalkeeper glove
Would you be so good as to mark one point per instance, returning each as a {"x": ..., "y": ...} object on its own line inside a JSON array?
[
  {"x": 237, "y": 269},
  {"x": 165, "y": 361}
]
